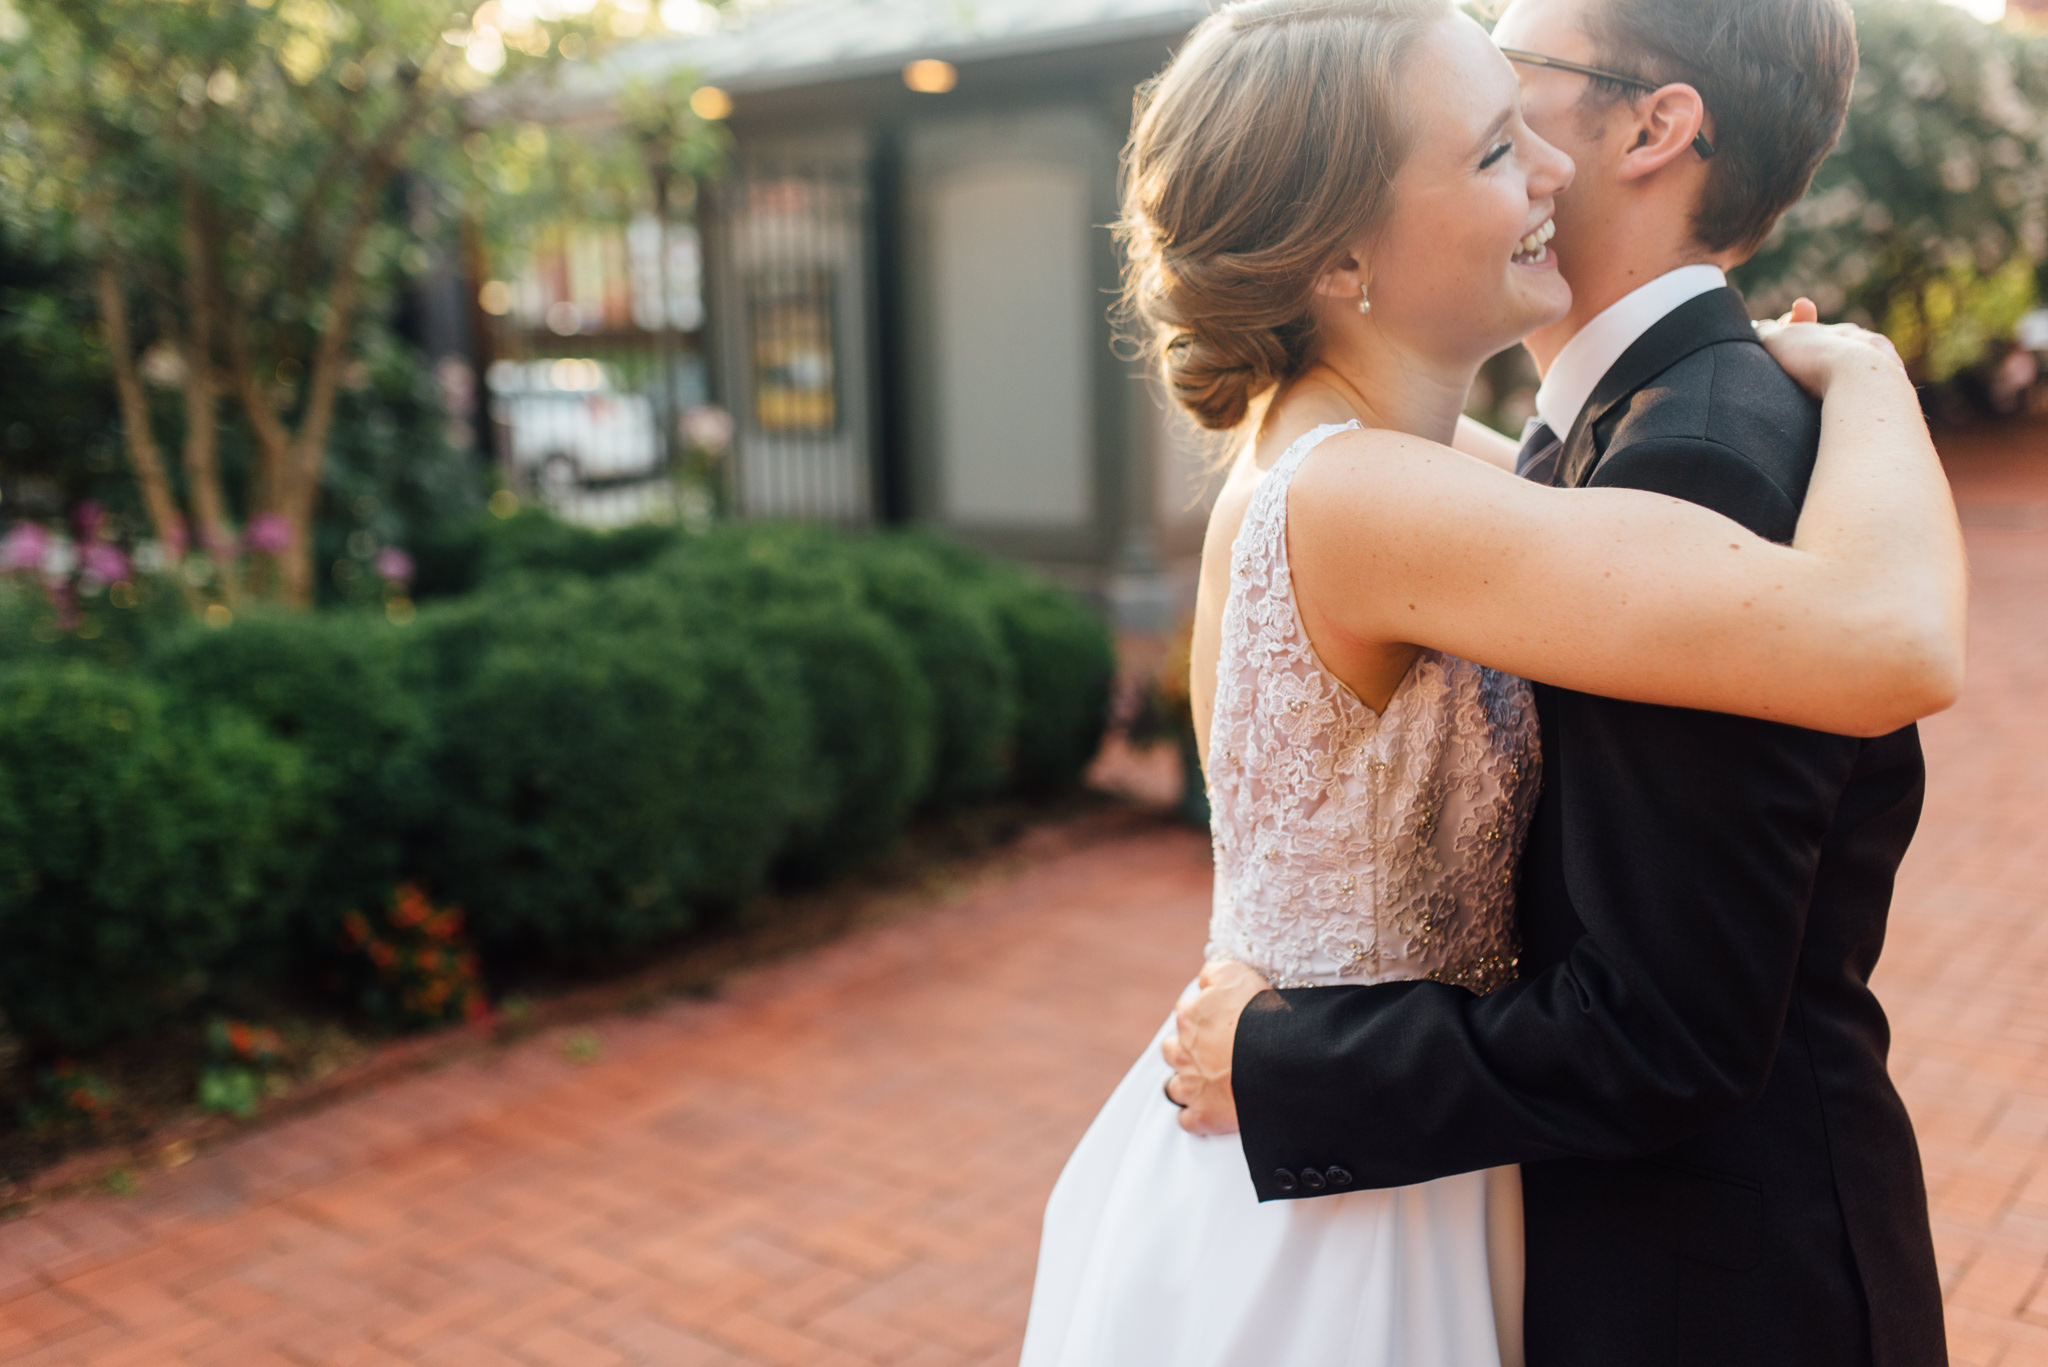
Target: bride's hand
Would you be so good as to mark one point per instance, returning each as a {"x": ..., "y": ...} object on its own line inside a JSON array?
[{"x": 1815, "y": 354}]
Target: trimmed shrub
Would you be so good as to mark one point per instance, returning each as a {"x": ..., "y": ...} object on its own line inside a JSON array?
[
  {"x": 332, "y": 684},
  {"x": 485, "y": 550},
  {"x": 872, "y": 729},
  {"x": 959, "y": 650},
  {"x": 1064, "y": 656},
  {"x": 133, "y": 848},
  {"x": 1066, "y": 670},
  {"x": 601, "y": 786}
]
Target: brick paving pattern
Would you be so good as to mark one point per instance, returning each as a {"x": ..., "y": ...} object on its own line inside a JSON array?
[{"x": 843, "y": 1159}]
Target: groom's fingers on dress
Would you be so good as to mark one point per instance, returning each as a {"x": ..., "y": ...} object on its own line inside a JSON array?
[
  {"x": 1175, "y": 1053},
  {"x": 1206, "y": 1115}
]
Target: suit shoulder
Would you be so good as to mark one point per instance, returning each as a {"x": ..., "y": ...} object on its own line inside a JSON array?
[{"x": 1731, "y": 396}]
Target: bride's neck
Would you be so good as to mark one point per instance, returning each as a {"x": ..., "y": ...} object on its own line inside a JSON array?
[{"x": 1393, "y": 388}]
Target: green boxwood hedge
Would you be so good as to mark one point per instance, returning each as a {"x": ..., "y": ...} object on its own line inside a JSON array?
[
  {"x": 873, "y": 734},
  {"x": 1062, "y": 653},
  {"x": 600, "y": 782},
  {"x": 601, "y": 742},
  {"x": 487, "y": 549},
  {"x": 331, "y": 684},
  {"x": 136, "y": 848},
  {"x": 959, "y": 650}
]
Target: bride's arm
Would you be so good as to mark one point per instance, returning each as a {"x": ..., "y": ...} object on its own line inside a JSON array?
[{"x": 1856, "y": 628}]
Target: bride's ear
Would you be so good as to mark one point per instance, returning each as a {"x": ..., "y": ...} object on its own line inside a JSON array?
[{"x": 1345, "y": 280}]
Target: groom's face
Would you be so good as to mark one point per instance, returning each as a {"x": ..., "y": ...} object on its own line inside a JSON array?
[{"x": 1554, "y": 105}]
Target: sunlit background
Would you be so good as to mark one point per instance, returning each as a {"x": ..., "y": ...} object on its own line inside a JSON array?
[{"x": 514, "y": 510}]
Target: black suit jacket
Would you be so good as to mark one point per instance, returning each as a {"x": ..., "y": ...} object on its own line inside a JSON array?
[{"x": 1718, "y": 1170}]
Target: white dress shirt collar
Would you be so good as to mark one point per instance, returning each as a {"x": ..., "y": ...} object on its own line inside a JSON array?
[{"x": 1589, "y": 355}]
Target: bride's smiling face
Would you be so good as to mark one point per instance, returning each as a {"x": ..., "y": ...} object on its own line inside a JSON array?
[{"x": 1461, "y": 268}]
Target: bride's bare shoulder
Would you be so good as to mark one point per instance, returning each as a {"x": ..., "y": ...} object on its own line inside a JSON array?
[{"x": 1375, "y": 467}]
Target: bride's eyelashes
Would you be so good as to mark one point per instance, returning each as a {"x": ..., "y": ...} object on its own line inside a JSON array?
[{"x": 1500, "y": 150}]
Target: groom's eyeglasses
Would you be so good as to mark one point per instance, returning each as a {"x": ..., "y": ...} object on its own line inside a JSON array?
[{"x": 1515, "y": 54}]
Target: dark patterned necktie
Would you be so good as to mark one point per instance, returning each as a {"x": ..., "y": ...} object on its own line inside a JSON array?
[{"x": 1540, "y": 451}]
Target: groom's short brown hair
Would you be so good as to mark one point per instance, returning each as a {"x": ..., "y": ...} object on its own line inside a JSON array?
[{"x": 1776, "y": 77}]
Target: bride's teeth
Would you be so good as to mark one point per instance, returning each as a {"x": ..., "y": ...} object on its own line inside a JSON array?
[{"x": 1532, "y": 245}]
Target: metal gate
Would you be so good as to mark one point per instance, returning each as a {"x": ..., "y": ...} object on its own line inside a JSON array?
[{"x": 791, "y": 261}]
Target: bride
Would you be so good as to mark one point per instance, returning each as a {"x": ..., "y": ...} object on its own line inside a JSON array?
[{"x": 1334, "y": 214}]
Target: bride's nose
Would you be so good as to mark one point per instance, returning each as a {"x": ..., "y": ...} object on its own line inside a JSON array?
[{"x": 1553, "y": 171}]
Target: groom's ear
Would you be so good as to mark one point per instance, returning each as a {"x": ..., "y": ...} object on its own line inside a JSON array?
[{"x": 1665, "y": 124}]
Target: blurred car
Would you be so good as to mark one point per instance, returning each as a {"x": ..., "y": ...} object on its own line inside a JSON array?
[{"x": 569, "y": 426}]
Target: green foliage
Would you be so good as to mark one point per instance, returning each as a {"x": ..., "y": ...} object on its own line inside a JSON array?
[
  {"x": 959, "y": 649},
  {"x": 799, "y": 594},
  {"x": 134, "y": 848},
  {"x": 59, "y": 436},
  {"x": 609, "y": 741},
  {"x": 67, "y": 1097},
  {"x": 1063, "y": 654},
  {"x": 1066, "y": 669},
  {"x": 393, "y": 478},
  {"x": 235, "y": 1073},
  {"x": 109, "y": 625},
  {"x": 605, "y": 776},
  {"x": 331, "y": 685},
  {"x": 1930, "y": 221},
  {"x": 461, "y": 557},
  {"x": 244, "y": 183}
]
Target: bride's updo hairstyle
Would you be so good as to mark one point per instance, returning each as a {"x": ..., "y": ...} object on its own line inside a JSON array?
[{"x": 1265, "y": 147}]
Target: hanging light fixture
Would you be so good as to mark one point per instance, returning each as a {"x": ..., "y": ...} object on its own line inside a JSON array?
[
  {"x": 929, "y": 76},
  {"x": 710, "y": 103}
]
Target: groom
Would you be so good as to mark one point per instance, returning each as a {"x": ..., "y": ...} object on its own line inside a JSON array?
[{"x": 1691, "y": 1069}]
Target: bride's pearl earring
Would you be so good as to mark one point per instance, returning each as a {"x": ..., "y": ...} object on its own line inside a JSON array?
[{"x": 1364, "y": 304}]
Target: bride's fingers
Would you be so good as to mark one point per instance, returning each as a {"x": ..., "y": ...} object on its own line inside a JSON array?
[{"x": 1803, "y": 311}]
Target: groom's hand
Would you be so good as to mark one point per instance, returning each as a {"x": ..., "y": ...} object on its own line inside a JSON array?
[{"x": 1200, "y": 1053}]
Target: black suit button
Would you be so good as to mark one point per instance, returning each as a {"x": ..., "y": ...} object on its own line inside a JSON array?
[
  {"x": 1340, "y": 1178},
  {"x": 1283, "y": 1180},
  {"x": 1312, "y": 1180}
]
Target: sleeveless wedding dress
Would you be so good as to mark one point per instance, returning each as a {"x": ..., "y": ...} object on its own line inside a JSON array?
[{"x": 1351, "y": 847}]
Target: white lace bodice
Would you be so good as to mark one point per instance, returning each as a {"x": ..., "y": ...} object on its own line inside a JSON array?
[{"x": 1354, "y": 846}]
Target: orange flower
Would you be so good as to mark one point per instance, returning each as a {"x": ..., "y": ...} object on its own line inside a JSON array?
[
  {"x": 240, "y": 1038},
  {"x": 383, "y": 955}
]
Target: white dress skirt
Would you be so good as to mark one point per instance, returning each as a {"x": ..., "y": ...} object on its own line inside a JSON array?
[{"x": 1157, "y": 1253}]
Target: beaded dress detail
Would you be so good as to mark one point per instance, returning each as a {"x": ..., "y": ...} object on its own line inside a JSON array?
[{"x": 1353, "y": 845}]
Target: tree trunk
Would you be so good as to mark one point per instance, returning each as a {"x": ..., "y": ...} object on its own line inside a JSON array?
[
  {"x": 202, "y": 396},
  {"x": 143, "y": 453}
]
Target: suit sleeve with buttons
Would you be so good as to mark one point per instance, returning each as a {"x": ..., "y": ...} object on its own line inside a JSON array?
[{"x": 1689, "y": 864}]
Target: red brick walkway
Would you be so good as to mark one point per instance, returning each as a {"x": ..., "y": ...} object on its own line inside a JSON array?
[{"x": 843, "y": 1161}]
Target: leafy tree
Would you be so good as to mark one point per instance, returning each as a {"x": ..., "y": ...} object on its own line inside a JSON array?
[
  {"x": 228, "y": 169},
  {"x": 1930, "y": 221}
]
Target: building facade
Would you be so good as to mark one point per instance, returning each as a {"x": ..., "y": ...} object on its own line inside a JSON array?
[{"x": 909, "y": 278}]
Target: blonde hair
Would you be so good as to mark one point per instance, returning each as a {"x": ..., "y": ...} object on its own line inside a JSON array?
[{"x": 1266, "y": 146}]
